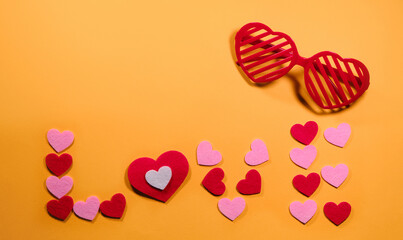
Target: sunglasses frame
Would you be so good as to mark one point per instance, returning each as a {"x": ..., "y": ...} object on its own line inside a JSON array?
[{"x": 360, "y": 83}]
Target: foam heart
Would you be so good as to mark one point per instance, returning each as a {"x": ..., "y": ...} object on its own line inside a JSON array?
[
  {"x": 159, "y": 179},
  {"x": 61, "y": 208},
  {"x": 335, "y": 176},
  {"x": 303, "y": 212},
  {"x": 337, "y": 213},
  {"x": 60, "y": 140},
  {"x": 173, "y": 159},
  {"x": 251, "y": 184},
  {"x": 305, "y": 134},
  {"x": 58, "y": 164},
  {"x": 88, "y": 209},
  {"x": 115, "y": 207},
  {"x": 206, "y": 156},
  {"x": 213, "y": 181},
  {"x": 306, "y": 185},
  {"x": 338, "y": 136},
  {"x": 231, "y": 209},
  {"x": 258, "y": 153},
  {"x": 59, "y": 187},
  {"x": 303, "y": 157}
]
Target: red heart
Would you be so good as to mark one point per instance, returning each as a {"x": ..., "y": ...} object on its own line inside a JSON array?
[
  {"x": 58, "y": 164},
  {"x": 173, "y": 159},
  {"x": 213, "y": 181},
  {"x": 264, "y": 55},
  {"x": 306, "y": 185},
  {"x": 61, "y": 208},
  {"x": 115, "y": 207},
  {"x": 305, "y": 134},
  {"x": 251, "y": 184},
  {"x": 343, "y": 86},
  {"x": 337, "y": 213}
]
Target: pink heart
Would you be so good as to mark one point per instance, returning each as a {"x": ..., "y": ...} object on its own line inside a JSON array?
[
  {"x": 303, "y": 212},
  {"x": 258, "y": 153},
  {"x": 231, "y": 209},
  {"x": 303, "y": 157},
  {"x": 335, "y": 176},
  {"x": 88, "y": 209},
  {"x": 338, "y": 136},
  {"x": 60, "y": 141},
  {"x": 206, "y": 155},
  {"x": 59, "y": 187}
]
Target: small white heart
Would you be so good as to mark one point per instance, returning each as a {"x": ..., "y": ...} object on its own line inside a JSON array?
[{"x": 160, "y": 179}]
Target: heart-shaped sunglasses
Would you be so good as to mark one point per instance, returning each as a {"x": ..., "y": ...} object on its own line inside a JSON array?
[{"x": 331, "y": 81}]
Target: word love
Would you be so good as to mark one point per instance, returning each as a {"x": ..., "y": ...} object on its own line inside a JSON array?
[{"x": 160, "y": 179}]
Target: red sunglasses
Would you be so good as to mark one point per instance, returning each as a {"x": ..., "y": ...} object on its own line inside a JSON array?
[{"x": 331, "y": 81}]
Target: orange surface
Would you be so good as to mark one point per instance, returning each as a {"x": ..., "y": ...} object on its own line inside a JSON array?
[{"x": 137, "y": 78}]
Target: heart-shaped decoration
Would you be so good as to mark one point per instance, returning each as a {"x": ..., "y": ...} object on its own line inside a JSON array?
[
  {"x": 213, "y": 181},
  {"x": 61, "y": 208},
  {"x": 206, "y": 156},
  {"x": 58, "y": 164},
  {"x": 59, "y": 187},
  {"x": 303, "y": 157},
  {"x": 60, "y": 140},
  {"x": 87, "y": 210},
  {"x": 258, "y": 153},
  {"x": 159, "y": 179},
  {"x": 334, "y": 82},
  {"x": 335, "y": 176},
  {"x": 231, "y": 209},
  {"x": 306, "y": 185},
  {"x": 176, "y": 161},
  {"x": 115, "y": 207},
  {"x": 338, "y": 136},
  {"x": 303, "y": 212},
  {"x": 264, "y": 55},
  {"x": 337, "y": 214},
  {"x": 252, "y": 184},
  {"x": 305, "y": 134}
]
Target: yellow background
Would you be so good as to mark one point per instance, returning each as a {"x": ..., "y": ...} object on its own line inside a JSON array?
[{"x": 137, "y": 78}]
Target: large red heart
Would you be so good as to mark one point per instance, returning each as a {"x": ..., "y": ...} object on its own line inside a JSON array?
[
  {"x": 305, "y": 134},
  {"x": 213, "y": 181},
  {"x": 61, "y": 208},
  {"x": 176, "y": 161},
  {"x": 251, "y": 184},
  {"x": 306, "y": 185},
  {"x": 337, "y": 213},
  {"x": 115, "y": 207},
  {"x": 58, "y": 164}
]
